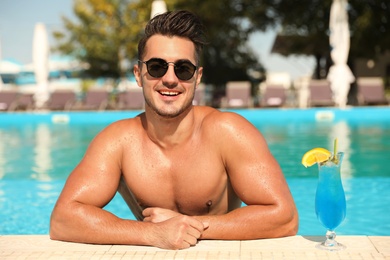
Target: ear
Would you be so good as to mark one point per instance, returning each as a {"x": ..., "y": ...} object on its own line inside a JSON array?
[
  {"x": 137, "y": 75},
  {"x": 199, "y": 76}
]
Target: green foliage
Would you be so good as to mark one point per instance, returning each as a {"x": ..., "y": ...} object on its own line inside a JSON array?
[
  {"x": 105, "y": 27},
  {"x": 304, "y": 27},
  {"x": 105, "y": 33},
  {"x": 368, "y": 20},
  {"x": 370, "y": 27},
  {"x": 87, "y": 84},
  {"x": 227, "y": 57}
]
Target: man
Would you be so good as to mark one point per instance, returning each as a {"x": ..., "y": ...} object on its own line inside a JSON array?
[{"x": 182, "y": 169}]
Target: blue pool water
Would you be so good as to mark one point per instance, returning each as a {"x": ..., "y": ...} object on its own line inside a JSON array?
[{"x": 38, "y": 151}]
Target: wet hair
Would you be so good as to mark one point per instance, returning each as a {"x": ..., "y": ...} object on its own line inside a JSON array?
[{"x": 177, "y": 23}]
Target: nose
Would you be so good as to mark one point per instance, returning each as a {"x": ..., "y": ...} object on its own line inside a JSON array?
[{"x": 170, "y": 78}]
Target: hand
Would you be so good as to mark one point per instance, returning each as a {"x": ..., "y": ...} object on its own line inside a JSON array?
[
  {"x": 156, "y": 215},
  {"x": 178, "y": 232}
]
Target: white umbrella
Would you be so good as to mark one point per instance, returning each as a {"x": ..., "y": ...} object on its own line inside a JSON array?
[
  {"x": 340, "y": 74},
  {"x": 40, "y": 58},
  {"x": 158, "y": 7}
]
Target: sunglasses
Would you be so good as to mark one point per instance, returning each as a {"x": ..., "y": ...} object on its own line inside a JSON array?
[{"x": 184, "y": 69}]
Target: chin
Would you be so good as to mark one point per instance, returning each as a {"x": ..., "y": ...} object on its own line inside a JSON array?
[{"x": 170, "y": 111}]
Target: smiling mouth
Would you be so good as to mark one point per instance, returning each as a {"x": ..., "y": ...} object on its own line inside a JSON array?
[{"x": 169, "y": 93}]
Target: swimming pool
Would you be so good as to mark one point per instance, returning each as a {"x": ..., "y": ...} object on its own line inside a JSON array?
[{"x": 38, "y": 151}]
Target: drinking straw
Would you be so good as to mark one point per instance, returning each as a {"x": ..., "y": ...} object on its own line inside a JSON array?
[{"x": 335, "y": 159}]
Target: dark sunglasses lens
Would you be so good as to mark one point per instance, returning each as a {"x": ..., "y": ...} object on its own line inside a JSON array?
[
  {"x": 157, "y": 68},
  {"x": 184, "y": 70}
]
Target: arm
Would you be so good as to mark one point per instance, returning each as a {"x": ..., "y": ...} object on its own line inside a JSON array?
[
  {"x": 78, "y": 215},
  {"x": 258, "y": 181}
]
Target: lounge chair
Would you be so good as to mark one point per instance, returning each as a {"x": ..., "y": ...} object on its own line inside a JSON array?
[
  {"x": 274, "y": 89},
  {"x": 131, "y": 99},
  {"x": 95, "y": 99},
  {"x": 25, "y": 102},
  {"x": 320, "y": 93},
  {"x": 274, "y": 96},
  {"x": 61, "y": 100},
  {"x": 238, "y": 95},
  {"x": 371, "y": 91},
  {"x": 8, "y": 100}
]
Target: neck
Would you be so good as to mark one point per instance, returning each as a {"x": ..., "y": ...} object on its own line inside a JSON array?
[{"x": 167, "y": 132}]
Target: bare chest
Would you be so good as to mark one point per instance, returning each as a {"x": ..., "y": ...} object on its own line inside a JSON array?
[{"x": 191, "y": 180}]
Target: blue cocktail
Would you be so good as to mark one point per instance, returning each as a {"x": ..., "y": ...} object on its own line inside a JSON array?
[{"x": 330, "y": 200}]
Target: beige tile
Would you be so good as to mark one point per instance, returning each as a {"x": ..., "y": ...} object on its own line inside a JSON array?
[
  {"x": 278, "y": 244},
  {"x": 381, "y": 243},
  {"x": 203, "y": 245},
  {"x": 297, "y": 247},
  {"x": 216, "y": 245},
  {"x": 357, "y": 243},
  {"x": 44, "y": 243},
  {"x": 205, "y": 249},
  {"x": 307, "y": 244},
  {"x": 121, "y": 248}
]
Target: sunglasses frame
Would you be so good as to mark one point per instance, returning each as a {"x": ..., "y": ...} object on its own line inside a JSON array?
[{"x": 165, "y": 65}]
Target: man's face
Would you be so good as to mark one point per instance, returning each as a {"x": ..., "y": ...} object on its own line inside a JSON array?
[{"x": 168, "y": 96}]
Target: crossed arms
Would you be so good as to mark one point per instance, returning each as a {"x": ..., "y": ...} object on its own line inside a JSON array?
[{"x": 253, "y": 173}]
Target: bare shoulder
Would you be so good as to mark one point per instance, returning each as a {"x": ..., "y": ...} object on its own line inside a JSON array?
[
  {"x": 113, "y": 137},
  {"x": 122, "y": 128},
  {"x": 227, "y": 123},
  {"x": 231, "y": 132},
  {"x": 118, "y": 125}
]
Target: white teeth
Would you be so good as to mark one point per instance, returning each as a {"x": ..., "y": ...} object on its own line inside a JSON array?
[{"x": 169, "y": 93}]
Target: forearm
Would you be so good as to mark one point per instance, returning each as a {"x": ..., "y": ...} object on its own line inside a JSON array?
[
  {"x": 89, "y": 224},
  {"x": 251, "y": 222}
]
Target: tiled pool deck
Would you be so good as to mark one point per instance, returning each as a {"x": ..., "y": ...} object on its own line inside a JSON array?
[{"x": 296, "y": 247}]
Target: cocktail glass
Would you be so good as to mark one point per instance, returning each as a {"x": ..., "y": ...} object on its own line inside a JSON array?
[{"x": 330, "y": 202}]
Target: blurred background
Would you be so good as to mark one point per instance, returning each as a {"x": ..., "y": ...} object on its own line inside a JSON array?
[{"x": 93, "y": 44}]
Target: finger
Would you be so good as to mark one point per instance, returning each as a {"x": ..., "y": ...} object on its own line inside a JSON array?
[
  {"x": 194, "y": 233},
  {"x": 185, "y": 245},
  {"x": 146, "y": 212},
  {"x": 191, "y": 240},
  {"x": 198, "y": 225},
  {"x": 206, "y": 224}
]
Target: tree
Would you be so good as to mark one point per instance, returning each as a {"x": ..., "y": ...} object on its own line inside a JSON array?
[
  {"x": 106, "y": 27},
  {"x": 227, "y": 57},
  {"x": 370, "y": 28},
  {"x": 305, "y": 29},
  {"x": 105, "y": 34}
]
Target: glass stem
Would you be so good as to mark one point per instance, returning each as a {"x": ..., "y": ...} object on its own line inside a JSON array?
[{"x": 330, "y": 238}]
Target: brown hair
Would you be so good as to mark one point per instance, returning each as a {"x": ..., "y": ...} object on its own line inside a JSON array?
[{"x": 177, "y": 23}]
